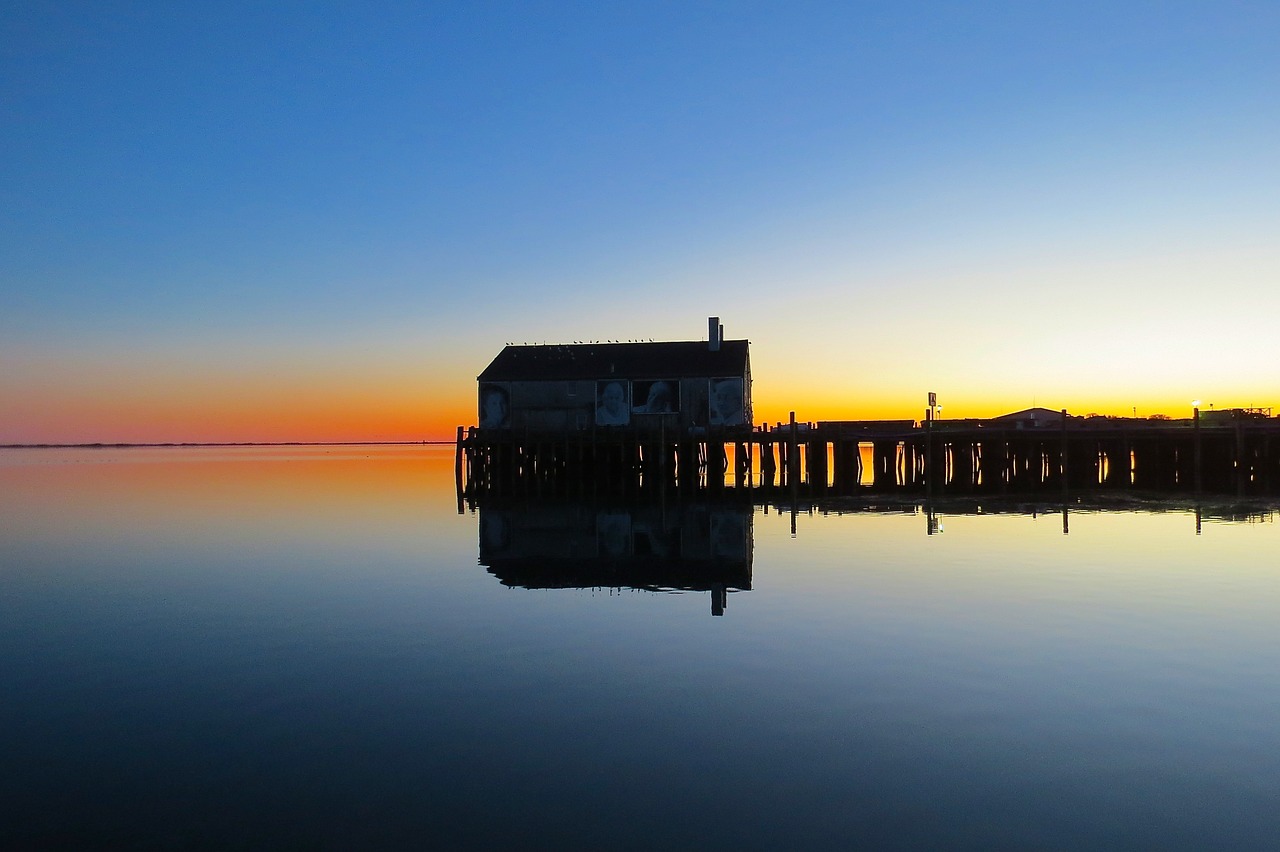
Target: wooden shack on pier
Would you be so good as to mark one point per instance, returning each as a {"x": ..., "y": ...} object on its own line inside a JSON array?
[{"x": 565, "y": 389}]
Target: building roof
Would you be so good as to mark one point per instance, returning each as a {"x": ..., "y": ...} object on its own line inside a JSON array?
[
  {"x": 1031, "y": 414},
  {"x": 668, "y": 360}
]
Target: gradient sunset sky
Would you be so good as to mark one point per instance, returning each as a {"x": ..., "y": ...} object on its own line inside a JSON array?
[{"x": 320, "y": 221}]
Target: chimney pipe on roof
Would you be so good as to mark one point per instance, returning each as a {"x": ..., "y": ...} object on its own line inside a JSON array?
[{"x": 714, "y": 333}]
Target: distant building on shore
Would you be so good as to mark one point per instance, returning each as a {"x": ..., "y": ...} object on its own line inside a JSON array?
[
  {"x": 642, "y": 386},
  {"x": 1031, "y": 418}
]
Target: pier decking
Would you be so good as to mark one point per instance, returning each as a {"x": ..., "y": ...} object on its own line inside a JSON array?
[{"x": 1226, "y": 454}]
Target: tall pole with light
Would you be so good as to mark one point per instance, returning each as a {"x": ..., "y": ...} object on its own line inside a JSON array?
[{"x": 931, "y": 415}]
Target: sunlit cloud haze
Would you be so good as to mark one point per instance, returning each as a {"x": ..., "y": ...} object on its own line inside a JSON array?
[{"x": 320, "y": 222}]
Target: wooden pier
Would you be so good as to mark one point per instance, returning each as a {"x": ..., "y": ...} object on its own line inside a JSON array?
[{"x": 1232, "y": 452}]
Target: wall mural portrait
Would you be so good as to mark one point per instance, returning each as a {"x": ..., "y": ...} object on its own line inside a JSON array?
[
  {"x": 725, "y": 403},
  {"x": 495, "y": 406},
  {"x": 660, "y": 397},
  {"x": 613, "y": 403}
]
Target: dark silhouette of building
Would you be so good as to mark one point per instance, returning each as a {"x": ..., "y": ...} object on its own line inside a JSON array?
[{"x": 645, "y": 386}]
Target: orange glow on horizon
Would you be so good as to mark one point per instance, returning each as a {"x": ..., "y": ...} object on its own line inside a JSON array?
[
  {"x": 317, "y": 417},
  {"x": 184, "y": 404},
  {"x": 188, "y": 404}
]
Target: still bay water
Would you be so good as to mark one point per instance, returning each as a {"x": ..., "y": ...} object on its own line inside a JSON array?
[{"x": 299, "y": 647}]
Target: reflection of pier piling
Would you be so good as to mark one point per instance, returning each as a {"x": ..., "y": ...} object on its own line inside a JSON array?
[{"x": 1229, "y": 454}]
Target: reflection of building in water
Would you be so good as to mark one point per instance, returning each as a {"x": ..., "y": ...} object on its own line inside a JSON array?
[{"x": 688, "y": 547}]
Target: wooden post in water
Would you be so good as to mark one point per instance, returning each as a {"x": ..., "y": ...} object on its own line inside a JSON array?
[
  {"x": 793, "y": 456},
  {"x": 768, "y": 466},
  {"x": 457, "y": 462},
  {"x": 928, "y": 455},
  {"x": 1196, "y": 425},
  {"x": 1268, "y": 474},
  {"x": 1062, "y": 453},
  {"x": 1240, "y": 462}
]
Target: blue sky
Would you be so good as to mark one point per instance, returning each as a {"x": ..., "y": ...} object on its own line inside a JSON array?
[{"x": 986, "y": 191}]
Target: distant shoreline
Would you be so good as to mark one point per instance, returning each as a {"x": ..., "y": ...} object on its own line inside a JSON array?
[{"x": 121, "y": 446}]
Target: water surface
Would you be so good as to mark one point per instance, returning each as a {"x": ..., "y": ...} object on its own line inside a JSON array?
[{"x": 302, "y": 647}]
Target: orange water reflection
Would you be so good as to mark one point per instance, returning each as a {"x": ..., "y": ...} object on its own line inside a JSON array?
[{"x": 224, "y": 492}]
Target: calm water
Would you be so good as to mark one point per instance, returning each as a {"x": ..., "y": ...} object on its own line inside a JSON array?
[{"x": 302, "y": 648}]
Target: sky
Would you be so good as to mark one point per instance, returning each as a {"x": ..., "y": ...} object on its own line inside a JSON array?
[{"x": 321, "y": 221}]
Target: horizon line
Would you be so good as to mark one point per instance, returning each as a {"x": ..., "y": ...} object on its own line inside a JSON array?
[{"x": 128, "y": 444}]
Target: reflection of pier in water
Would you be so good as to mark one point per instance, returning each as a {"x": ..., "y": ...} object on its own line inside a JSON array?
[
  {"x": 707, "y": 545},
  {"x": 934, "y": 510},
  {"x": 560, "y": 544}
]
